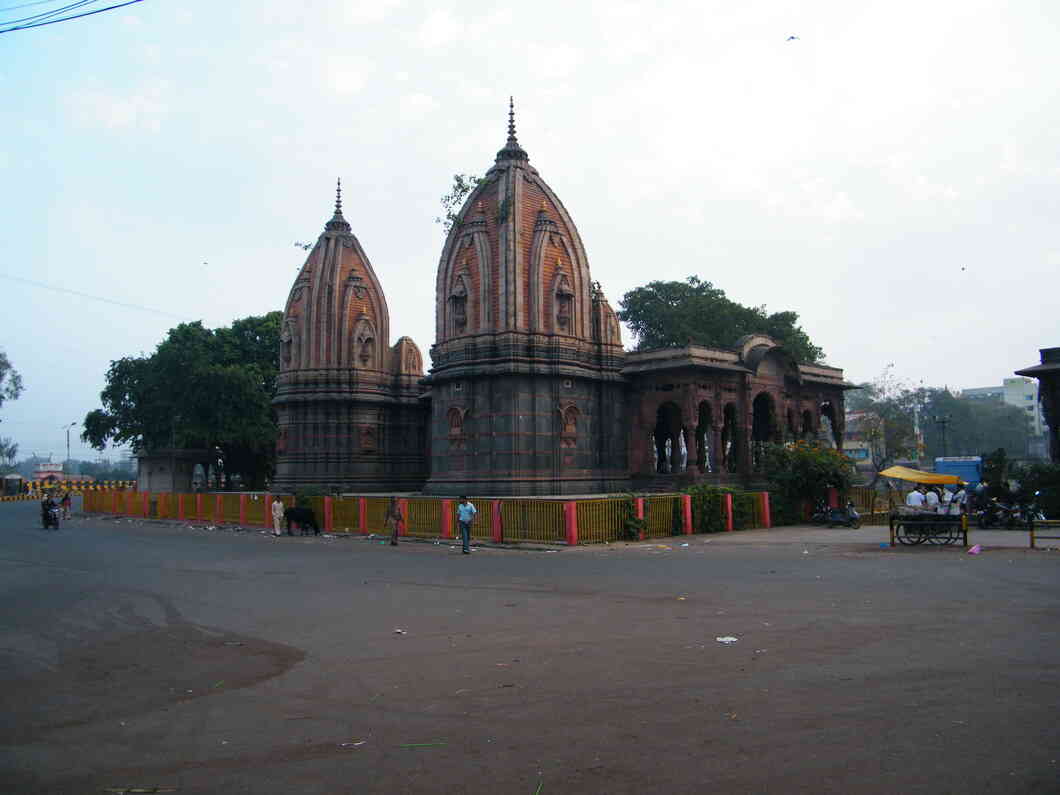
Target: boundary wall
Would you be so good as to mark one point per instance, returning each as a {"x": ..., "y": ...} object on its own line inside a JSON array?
[{"x": 499, "y": 520}]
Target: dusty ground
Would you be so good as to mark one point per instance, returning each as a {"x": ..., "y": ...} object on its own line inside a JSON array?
[{"x": 157, "y": 656}]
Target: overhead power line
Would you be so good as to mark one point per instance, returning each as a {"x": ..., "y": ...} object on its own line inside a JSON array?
[
  {"x": 46, "y": 286},
  {"x": 41, "y": 23},
  {"x": 26, "y": 5},
  {"x": 47, "y": 14}
]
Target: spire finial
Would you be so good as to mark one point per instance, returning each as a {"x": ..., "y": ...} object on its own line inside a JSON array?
[
  {"x": 338, "y": 196},
  {"x": 337, "y": 222},
  {"x": 512, "y": 150}
]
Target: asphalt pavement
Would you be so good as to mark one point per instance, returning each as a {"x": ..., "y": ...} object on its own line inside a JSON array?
[{"x": 170, "y": 657}]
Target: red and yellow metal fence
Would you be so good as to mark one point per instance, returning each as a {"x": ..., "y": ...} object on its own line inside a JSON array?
[{"x": 544, "y": 521}]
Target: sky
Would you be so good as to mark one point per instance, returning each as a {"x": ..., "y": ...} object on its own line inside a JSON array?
[{"x": 891, "y": 174}]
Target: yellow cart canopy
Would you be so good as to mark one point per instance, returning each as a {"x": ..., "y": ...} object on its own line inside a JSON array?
[{"x": 916, "y": 476}]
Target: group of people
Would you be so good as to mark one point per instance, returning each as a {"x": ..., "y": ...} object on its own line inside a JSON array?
[
  {"x": 465, "y": 516},
  {"x": 929, "y": 499}
]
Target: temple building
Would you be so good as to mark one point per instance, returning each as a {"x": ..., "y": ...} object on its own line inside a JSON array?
[{"x": 530, "y": 391}]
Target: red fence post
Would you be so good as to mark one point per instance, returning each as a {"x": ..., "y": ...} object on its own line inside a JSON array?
[
  {"x": 833, "y": 497},
  {"x": 447, "y": 518},
  {"x": 219, "y": 509},
  {"x": 726, "y": 507},
  {"x": 496, "y": 524},
  {"x": 198, "y": 506},
  {"x": 362, "y": 515},
  {"x": 329, "y": 514},
  {"x": 242, "y": 509},
  {"x": 638, "y": 509},
  {"x": 767, "y": 518},
  {"x": 686, "y": 512},
  {"x": 180, "y": 507},
  {"x": 403, "y": 509},
  {"x": 570, "y": 519},
  {"x": 146, "y": 504}
]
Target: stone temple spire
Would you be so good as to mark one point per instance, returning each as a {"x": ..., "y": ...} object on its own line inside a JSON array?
[
  {"x": 337, "y": 222},
  {"x": 512, "y": 150}
]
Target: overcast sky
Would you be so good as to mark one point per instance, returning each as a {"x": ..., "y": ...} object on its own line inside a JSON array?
[{"x": 892, "y": 175}]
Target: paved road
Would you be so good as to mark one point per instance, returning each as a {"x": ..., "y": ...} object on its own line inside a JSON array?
[{"x": 149, "y": 655}]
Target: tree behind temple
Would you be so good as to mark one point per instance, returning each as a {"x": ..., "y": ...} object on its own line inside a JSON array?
[
  {"x": 669, "y": 314},
  {"x": 201, "y": 388}
]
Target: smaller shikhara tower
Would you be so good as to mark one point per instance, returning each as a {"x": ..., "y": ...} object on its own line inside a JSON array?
[
  {"x": 526, "y": 391},
  {"x": 348, "y": 404}
]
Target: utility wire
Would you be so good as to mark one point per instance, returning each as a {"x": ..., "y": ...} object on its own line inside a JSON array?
[
  {"x": 67, "y": 19},
  {"x": 45, "y": 286},
  {"x": 26, "y": 5},
  {"x": 46, "y": 14}
]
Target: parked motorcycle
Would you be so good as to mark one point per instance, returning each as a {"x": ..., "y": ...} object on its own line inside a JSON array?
[
  {"x": 847, "y": 517},
  {"x": 998, "y": 514},
  {"x": 1029, "y": 511},
  {"x": 820, "y": 513}
]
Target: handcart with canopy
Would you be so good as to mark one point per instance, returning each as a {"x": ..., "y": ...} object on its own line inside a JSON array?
[{"x": 910, "y": 526}]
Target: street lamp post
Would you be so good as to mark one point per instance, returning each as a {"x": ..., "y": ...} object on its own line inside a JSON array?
[
  {"x": 942, "y": 421},
  {"x": 67, "y": 429}
]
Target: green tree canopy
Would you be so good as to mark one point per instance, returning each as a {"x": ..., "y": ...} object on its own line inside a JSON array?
[
  {"x": 10, "y": 380},
  {"x": 667, "y": 314},
  {"x": 201, "y": 388}
]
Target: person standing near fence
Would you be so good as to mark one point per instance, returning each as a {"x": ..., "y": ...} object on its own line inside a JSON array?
[
  {"x": 277, "y": 517},
  {"x": 393, "y": 520},
  {"x": 465, "y": 515}
]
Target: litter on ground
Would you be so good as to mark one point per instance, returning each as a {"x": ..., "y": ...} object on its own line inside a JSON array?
[{"x": 726, "y": 639}]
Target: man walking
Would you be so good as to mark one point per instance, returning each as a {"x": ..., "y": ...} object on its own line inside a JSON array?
[
  {"x": 392, "y": 521},
  {"x": 465, "y": 515}
]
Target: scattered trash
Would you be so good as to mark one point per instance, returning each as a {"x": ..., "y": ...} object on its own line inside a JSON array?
[
  {"x": 684, "y": 545},
  {"x": 975, "y": 550},
  {"x": 400, "y": 632},
  {"x": 420, "y": 745},
  {"x": 507, "y": 685},
  {"x": 884, "y": 545},
  {"x": 352, "y": 745},
  {"x": 681, "y": 598},
  {"x": 218, "y": 684},
  {"x": 726, "y": 639},
  {"x": 761, "y": 651},
  {"x": 540, "y": 784},
  {"x": 806, "y": 552}
]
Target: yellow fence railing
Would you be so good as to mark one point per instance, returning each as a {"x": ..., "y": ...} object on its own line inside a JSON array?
[{"x": 515, "y": 520}]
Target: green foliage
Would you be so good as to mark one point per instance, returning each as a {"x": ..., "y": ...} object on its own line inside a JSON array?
[
  {"x": 10, "y": 380},
  {"x": 667, "y": 314},
  {"x": 1041, "y": 476},
  {"x": 784, "y": 510},
  {"x": 707, "y": 516},
  {"x": 803, "y": 471},
  {"x": 632, "y": 527},
  {"x": 201, "y": 388},
  {"x": 463, "y": 185}
]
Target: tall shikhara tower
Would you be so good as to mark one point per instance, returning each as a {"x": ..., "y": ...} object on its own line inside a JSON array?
[
  {"x": 526, "y": 393},
  {"x": 349, "y": 405}
]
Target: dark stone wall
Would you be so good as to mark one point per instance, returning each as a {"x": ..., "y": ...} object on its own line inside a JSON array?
[{"x": 515, "y": 435}]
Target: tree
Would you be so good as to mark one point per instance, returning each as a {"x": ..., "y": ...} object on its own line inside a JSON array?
[
  {"x": 463, "y": 184},
  {"x": 10, "y": 380},
  {"x": 802, "y": 471},
  {"x": 668, "y": 314},
  {"x": 201, "y": 388},
  {"x": 888, "y": 406}
]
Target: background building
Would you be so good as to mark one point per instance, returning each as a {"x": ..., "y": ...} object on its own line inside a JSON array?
[{"x": 1023, "y": 394}]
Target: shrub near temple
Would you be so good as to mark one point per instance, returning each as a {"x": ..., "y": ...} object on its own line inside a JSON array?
[{"x": 801, "y": 472}]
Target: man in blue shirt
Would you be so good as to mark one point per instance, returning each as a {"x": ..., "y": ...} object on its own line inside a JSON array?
[{"x": 465, "y": 515}]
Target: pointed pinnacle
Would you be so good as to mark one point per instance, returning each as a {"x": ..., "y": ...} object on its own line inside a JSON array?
[
  {"x": 338, "y": 197},
  {"x": 511, "y": 119}
]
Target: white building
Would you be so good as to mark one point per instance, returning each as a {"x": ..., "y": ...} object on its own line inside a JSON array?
[{"x": 1022, "y": 393}]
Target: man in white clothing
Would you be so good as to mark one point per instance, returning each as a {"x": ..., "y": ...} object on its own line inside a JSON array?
[
  {"x": 931, "y": 501},
  {"x": 915, "y": 498}
]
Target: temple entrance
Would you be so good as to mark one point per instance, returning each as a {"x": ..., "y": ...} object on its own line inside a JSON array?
[
  {"x": 826, "y": 435},
  {"x": 671, "y": 452},
  {"x": 763, "y": 428},
  {"x": 704, "y": 429},
  {"x": 807, "y": 426}
]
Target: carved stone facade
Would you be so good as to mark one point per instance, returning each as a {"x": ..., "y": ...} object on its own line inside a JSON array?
[
  {"x": 530, "y": 391},
  {"x": 1048, "y": 375},
  {"x": 527, "y": 395},
  {"x": 349, "y": 406}
]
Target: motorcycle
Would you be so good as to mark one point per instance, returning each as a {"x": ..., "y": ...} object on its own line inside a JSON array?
[
  {"x": 50, "y": 517},
  {"x": 1029, "y": 511},
  {"x": 820, "y": 513},
  {"x": 847, "y": 517},
  {"x": 998, "y": 514}
]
